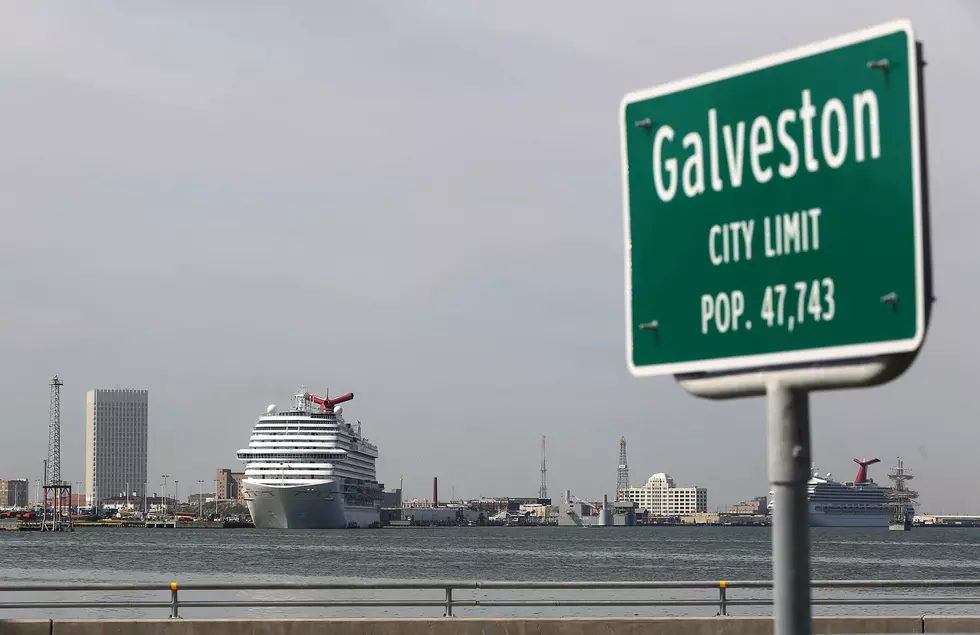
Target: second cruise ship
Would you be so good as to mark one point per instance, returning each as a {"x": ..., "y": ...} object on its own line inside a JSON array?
[{"x": 308, "y": 468}]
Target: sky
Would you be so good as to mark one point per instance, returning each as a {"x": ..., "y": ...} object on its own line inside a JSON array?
[{"x": 419, "y": 202}]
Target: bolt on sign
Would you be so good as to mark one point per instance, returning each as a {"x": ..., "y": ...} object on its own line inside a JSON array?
[{"x": 773, "y": 210}]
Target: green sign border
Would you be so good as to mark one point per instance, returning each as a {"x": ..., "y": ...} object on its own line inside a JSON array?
[{"x": 810, "y": 355}]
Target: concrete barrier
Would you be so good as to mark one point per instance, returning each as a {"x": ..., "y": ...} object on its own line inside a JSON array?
[
  {"x": 941, "y": 624},
  {"x": 482, "y": 626},
  {"x": 25, "y": 627},
  {"x": 838, "y": 625}
]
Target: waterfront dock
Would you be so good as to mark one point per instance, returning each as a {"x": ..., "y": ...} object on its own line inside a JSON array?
[{"x": 32, "y": 525}]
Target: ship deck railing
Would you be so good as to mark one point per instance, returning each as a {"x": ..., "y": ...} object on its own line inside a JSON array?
[{"x": 450, "y": 597}]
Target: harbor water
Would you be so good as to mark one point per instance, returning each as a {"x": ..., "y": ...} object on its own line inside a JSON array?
[{"x": 473, "y": 554}]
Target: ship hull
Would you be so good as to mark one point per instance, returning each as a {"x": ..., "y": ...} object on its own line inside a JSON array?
[
  {"x": 318, "y": 505},
  {"x": 844, "y": 519}
]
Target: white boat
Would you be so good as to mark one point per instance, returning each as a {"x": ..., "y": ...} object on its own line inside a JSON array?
[
  {"x": 857, "y": 503},
  {"x": 308, "y": 468}
]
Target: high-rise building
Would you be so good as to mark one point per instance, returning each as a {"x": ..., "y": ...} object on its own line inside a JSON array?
[
  {"x": 17, "y": 492},
  {"x": 661, "y": 497},
  {"x": 115, "y": 443},
  {"x": 13, "y": 493}
]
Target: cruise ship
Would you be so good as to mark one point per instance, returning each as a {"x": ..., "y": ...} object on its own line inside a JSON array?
[
  {"x": 308, "y": 468},
  {"x": 857, "y": 503}
]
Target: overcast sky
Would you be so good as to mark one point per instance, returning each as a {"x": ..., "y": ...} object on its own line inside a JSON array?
[{"x": 418, "y": 202}]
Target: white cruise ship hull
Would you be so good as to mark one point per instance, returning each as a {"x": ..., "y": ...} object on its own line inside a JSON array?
[
  {"x": 318, "y": 505},
  {"x": 849, "y": 518}
]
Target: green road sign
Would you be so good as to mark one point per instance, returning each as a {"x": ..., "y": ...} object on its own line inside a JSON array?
[{"x": 773, "y": 210}]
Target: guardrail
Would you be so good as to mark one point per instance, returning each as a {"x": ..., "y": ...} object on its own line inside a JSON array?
[{"x": 448, "y": 603}]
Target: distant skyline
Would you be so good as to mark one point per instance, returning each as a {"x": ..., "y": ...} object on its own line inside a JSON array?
[
  {"x": 420, "y": 203},
  {"x": 423, "y": 489}
]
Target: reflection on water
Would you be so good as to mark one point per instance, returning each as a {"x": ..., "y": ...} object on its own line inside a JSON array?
[{"x": 564, "y": 554}]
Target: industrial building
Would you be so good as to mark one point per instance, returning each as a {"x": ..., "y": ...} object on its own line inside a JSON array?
[
  {"x": 574, "y": 511},
  {"x": 753, "y": 507},
  {"x": 14, "y": 493},
  {"x": 392, "y": 500},
  {"x": 229, "y": 485},
  {"x": 398, "y": 512},
  {"x": 115, "y": 443},
  {"x": 661, "y": 497}
]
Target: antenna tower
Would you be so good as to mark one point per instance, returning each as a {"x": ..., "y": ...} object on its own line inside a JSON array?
[
  {"x": 57, "y": 493},
  {"x": 623, "y": 474},
  {"x": 53, "y": 474},
  {"x": 543, "y": 491}
]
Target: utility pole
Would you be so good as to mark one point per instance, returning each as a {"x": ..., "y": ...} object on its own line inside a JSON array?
[
  {"x": 200, "y": 498},
  {"x": 176, "y": 495},
  {"x": 165, "y": 506},
  {"x": 543, "y": 490},
  {"x": 44, "y": 495}
]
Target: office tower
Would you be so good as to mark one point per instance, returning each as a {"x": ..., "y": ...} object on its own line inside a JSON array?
[
  {"x": 115, "y": 444},
  {"x": 14, "y": 493}
]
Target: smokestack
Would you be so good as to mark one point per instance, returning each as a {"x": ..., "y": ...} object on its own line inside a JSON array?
[{"x": 435, "y": 491}]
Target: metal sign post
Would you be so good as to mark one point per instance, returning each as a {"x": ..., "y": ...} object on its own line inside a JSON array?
[
  {"x": 788, "y": 400},
  {"x": 777, "y": 244},
  {"x": 789, "y": 471}
]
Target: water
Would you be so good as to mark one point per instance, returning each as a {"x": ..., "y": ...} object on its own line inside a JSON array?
[{"x": 543, "y": 554}]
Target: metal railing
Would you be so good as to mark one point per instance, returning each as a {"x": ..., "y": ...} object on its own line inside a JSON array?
[{"x": 721, "y": 600}]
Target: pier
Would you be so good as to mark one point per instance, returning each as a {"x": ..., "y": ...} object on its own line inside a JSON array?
[{"x": 22, "y": 525}]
